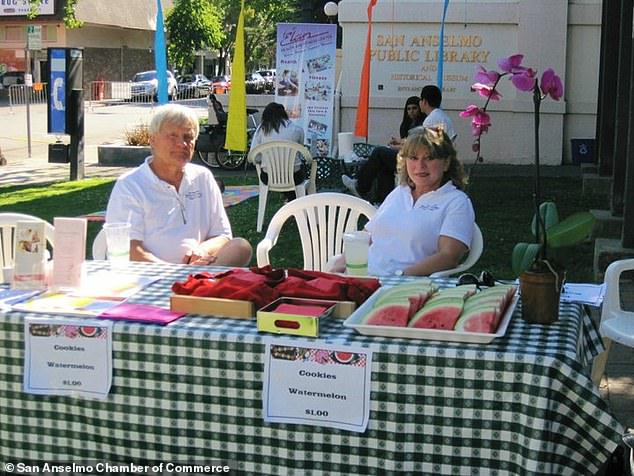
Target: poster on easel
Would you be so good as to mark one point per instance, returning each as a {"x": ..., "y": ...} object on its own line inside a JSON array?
[
  {"x": 305, "y": 80},
  {"x": 29, "y": 268}
]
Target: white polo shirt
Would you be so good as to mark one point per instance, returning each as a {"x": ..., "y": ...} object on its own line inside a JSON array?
[
  {"x": 404, "y": 232},
  {"x": 168, "y": 222},
  {"x": 438, "y": 117}
]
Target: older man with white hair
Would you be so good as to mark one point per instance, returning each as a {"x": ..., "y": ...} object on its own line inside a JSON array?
[{"x": 175, "y": 207}]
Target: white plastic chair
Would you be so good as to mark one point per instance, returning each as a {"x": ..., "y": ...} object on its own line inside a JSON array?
[
  {"x": 99, "y": 246},
  {"x": 475, "y": 251},
  {"x": 278, "y": 157},
  {"x": 321, "y": 219},
  {"x": 616, "y": 324},
  {"x": 8, "y": 223}
]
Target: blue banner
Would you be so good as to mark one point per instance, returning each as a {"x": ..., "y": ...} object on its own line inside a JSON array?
[
  {"x": 160, "y": 56},
  {"x": 441, "y": 46},
  {"x": 57, "y": 91}
]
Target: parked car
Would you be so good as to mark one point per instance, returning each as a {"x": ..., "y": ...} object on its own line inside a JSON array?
[
  {"x": 145, "y": 84},
  {"x": 220, "y": 84},
  {"x": 193, "y": 86},
  {"x": 269, "y": 77},
  {"x": 255, "y": 83},
  {"x": 11, "y": 77}
]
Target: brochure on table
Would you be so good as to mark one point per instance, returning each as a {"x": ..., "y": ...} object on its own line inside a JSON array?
[
  {"x": 67, "y": 357},
  {"x": 70, "y": 252},
  {"x": 101, "y": 291},
  {"x": 322, "y": 385},
  {"x": 29, "y": 267}
]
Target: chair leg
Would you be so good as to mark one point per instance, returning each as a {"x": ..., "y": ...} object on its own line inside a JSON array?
[
  {"x": 598, "y": 366},
  {"x": 264, "y": 190}
]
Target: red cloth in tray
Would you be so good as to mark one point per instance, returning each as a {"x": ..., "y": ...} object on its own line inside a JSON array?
[{"x": 264, "y": 285}]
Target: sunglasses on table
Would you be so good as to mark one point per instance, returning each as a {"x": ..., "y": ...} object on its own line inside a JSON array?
[{"x": 485, "y": 279}]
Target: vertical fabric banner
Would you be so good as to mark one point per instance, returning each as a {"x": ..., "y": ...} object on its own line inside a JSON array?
[
  {"x": 361, "y": 123},
  {"x": 306, "y": 58},
  {"x": 160, "y": 55},
  {"x": 237, "y": 119},
  {"x": 441, "y": 47}
]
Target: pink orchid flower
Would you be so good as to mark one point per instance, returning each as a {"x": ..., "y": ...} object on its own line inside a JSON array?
[
  {"x": 551, "y": 85},
  {"x": 486, "y": 77},
  {"x": 471, "y": 110},
  {"x": 480, "y": 123},
  {"x": 512, "y": 64},
  {"x": 486, "y": 91},
  {"x": 524, "y": 80}
]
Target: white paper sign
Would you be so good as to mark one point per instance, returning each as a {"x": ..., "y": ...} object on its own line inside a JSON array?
[
  {"x": 324, "y": 385},
  {"x": 70, "y": 252},
  {"x": 67, "y": 357}
]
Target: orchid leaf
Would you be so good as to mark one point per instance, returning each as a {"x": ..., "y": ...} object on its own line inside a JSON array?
[
  {"x": 548, "y": 211},
  {"x": 572, "y": 230},
  {"x": 524, "y": 254}
]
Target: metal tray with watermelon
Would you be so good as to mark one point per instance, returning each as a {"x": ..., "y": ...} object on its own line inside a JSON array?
[{"x": 357, "y": 319}]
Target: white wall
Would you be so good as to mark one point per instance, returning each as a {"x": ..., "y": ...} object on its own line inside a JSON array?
[{"x": 562, "y": 34}]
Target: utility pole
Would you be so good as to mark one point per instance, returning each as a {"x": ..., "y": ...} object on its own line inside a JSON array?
[{"x": 27, "y": 91}]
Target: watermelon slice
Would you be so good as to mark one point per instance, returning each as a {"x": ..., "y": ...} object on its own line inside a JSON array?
[
  {"x": 483, "y": 318},
  {"x": 390, "y": 314},
  {"x": 438, "y": 313}
]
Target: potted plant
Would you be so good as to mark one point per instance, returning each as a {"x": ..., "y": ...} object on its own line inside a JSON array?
[{"x": 541, "y": 278}]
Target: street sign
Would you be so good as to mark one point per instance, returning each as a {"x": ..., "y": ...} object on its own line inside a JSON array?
[{"x": 34, "y": 37}]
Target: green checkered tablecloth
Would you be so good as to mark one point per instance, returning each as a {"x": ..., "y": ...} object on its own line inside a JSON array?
[{"x": 192, "y": 392}]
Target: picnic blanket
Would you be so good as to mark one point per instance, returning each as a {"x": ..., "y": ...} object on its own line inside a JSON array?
[{"x": 232, "y": 195}]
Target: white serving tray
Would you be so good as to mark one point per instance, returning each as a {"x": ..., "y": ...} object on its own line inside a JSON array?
[{"x": 428, "y": 334}]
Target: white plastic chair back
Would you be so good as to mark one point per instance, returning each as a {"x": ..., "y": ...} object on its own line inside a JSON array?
[
  {"x": 616, "y": 323},
  {"x": 321, "y": 219},
  {"x": 475, "y": 251},
  {"x": 278, "y": 158},
  {"x": 8, "y": 223},
  {"x": 99, "y": 246}
]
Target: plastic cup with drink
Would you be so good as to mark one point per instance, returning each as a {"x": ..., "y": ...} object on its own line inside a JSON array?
[
  {"x": 118, "y": 243},
  {"x": 355, "y": 251}
]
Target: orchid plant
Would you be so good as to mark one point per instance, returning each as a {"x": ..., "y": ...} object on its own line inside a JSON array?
[{"x": 546, "y": 226}]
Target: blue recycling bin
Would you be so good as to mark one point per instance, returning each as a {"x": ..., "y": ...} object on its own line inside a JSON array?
[{"x": 582, "y": 151}]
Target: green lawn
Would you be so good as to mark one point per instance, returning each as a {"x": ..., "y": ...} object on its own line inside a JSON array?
[{"x": 503, "y": 211}]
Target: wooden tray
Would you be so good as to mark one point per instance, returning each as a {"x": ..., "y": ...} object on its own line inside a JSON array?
[{"x": 234, "y": 309}]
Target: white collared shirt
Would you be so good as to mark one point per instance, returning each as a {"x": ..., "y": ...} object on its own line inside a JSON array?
[
  {"x": 168, "y": 222},
  {"x": 404, "y": 232}
]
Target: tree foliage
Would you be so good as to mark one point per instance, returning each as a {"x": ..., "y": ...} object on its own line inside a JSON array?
[
  {"x": 69, "y": 12},
  {"x": 192, "y": 25},
  {"x": 261, "y": 18}
]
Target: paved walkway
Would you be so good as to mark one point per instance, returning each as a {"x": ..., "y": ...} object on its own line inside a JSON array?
[{"x": 106, "y": 125}]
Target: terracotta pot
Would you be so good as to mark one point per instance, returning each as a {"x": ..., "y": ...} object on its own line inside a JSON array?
[{"x": 540, "y": 290}]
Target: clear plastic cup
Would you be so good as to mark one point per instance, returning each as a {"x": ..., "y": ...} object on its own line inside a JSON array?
[
  {"x": 355, "y": 251},
  {"x": 118, "y": 243}
]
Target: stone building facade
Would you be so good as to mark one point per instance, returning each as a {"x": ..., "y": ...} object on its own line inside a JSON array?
[{"x": 117, "y": 37}]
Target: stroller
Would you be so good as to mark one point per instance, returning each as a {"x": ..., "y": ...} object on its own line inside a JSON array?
[{"x": 211, "y": 140}]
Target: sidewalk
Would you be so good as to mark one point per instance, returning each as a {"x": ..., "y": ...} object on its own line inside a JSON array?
[{"x": 105, "y": 125}]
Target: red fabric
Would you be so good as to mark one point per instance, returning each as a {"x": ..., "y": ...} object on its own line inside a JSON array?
[{"x": 264, "y": 285}]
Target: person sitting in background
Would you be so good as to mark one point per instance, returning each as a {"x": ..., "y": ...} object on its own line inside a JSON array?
[
  {"x": 430, "y": 100},
  {"x": 381, "y": 165},
  {"x": 276, "y": 125},
  {"x": 426, "y": 224},
  {"x": 175, "y": 207}
]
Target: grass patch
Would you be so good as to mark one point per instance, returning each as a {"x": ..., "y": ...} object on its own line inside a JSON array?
[{"x": 503, "y": 211}]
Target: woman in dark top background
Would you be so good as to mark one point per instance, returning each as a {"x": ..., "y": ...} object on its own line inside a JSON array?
[{"x": 380, "y": 169}]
